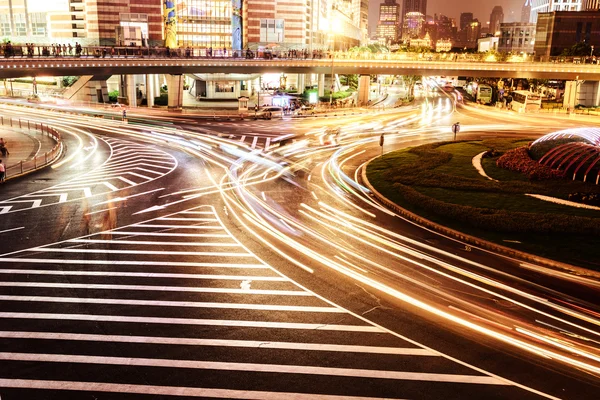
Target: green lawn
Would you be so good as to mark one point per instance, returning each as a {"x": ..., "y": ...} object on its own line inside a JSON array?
[{"x": 439, "y": 182}]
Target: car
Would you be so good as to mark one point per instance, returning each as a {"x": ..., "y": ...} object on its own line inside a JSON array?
[
  {"x": 306, "y": 110},
  {"x": 269, "y": 112}
]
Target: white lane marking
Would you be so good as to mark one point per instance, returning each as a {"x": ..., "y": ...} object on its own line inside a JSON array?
[
  {"x": 402, "y": 351},
  {"x": 267, "y": 143},
  {"x": 194, "y": 321},
  {"x": 176, "y": 226},
  {"x": 110, "y": 186},
  {"x": 169, "y": 390},
  {"x": 143, "y": 275},
  {"x": 63, "y": 197},
  {"x": 5, "y": 209},
  {"x": 142, "y": 242},
  {"x": 152, "y": 252},
  {"x": 196, "y": 235},
  {"x": 12, "y": 229},
  {"x": 254, "y": 141},
  {"x": 127, "y": 181},
  {"x": 118, "y": 199},
  {"x": 188, "y": 219},
  {"x": 254, "y": 367},
  {"x": 197, "y": 212},
  {"x": 87, "y": 192},
  {"x": 157, "y": 288},
  {"x": 128, "y": 262},
  {"x": 159, "y": 303}
]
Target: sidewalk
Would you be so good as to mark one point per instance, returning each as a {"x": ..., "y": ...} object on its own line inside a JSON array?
[{"x": 24, "y": 146}]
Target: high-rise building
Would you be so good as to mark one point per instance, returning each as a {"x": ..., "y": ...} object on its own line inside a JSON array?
[
  {"x": 388, "y": 28},
  {"x": 413, "y": 26},
  {"x": 465, "y": 19},
  {"x": 552, "y": 37},
  {"x": 496, "y": 18},
  {"x": 526, "y": 12},
  {"x": 517, "y": 37},
  {"x": 540, "y": 6},
  {"x": 445, "y": 27},
  {"x": 89, "y": 22},
  {"x": 410, "y": 6},
  {"x": 473, "y": 33},
  {"x": 591, "y": 5}
]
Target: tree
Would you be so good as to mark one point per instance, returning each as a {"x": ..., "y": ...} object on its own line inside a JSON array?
[
  {"x": 580, "y": 49},
  {"x": 409, "y": 82}
]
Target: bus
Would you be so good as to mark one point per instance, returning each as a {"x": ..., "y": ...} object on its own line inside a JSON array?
[
  {"x": 525, "y": 101},
  {"x": 484, "y": 94}
]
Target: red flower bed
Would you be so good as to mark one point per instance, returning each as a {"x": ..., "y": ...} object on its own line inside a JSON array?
[{"x": 519, "y": 160}]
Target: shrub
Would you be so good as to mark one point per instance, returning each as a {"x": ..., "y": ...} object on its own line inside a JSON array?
[
  {"x": 501, "y": 220},
  {"x": 113, "y": 96},
  {"x": 592, "y": 199},
  {"x": 519, "y": 160},
  {"x": 162, "y": 100}
]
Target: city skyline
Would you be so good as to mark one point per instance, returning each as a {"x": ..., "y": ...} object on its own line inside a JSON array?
[{"x": 453, "y": 8}]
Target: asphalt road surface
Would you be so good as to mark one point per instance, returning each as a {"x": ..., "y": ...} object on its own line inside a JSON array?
[{"x": 179, "y": 256}]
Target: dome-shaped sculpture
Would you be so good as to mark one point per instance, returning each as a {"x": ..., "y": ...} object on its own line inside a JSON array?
[{"x": 579, "y": 157}]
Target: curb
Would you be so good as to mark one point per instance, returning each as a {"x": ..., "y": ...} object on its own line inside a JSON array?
[{"x": 484, "y": 244}]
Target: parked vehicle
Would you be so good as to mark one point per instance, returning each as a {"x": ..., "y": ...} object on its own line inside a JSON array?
[{"x": 270, "y": 112}]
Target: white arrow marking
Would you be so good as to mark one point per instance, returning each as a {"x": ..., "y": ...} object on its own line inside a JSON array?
[{"x": 245, "y": 285}]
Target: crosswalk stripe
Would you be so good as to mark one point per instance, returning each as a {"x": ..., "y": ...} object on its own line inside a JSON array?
[
  {"x": 128, "y": 262},
  {"x": 177, "y": 226},
  {"x": 243, "y": 138},
  {"x": 194, "y": 321},
  {"x": 149, "y": 243},
  {"x": 402, "y": 351},
  {"x": 147, "y": 252},
  {"x": 267, "y": 143},
  {"x": 188, "y": 219},
  {"x": 173, "y": 234},
  {"x": 165, "y": 303},
  {"x": 157, "y": 288},
  {"x": 254, "y": 141},
  {"x": 144, "y": 275},
  {"x": 254, "y": 367},
  {"x": 169, "y": 390}
]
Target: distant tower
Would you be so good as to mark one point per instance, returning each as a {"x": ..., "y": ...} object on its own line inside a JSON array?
[
  {"x": 526, "y": 12},
  {"x": 496, "y": 18},
  {"x": 591, "y": 5}
]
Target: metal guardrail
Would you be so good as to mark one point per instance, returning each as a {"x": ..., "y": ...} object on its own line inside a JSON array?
[{"x": 25, "y": 166}]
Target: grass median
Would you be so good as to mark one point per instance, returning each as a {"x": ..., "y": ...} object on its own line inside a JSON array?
[{"x": 439, "y": 182}]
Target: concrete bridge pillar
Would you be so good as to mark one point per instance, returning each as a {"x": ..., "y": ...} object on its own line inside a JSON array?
[
  {"x": 586, "y": 93},
  {"x": 130, "y": 91},
  {"x": 175, "y": 90},
  {"x": 321, "y": 85},
  {"x": 364, "y": 89},
  {"x": 301, "y": 83},
  {"x": 150, "y": 90}
]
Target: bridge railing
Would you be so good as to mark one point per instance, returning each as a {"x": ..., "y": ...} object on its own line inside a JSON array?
[
  {"x": 67, "y": 52},
  {"x": 38, "y": 161}
]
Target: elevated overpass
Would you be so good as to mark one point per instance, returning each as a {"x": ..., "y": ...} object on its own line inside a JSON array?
[{"x": 134, "y": 65}]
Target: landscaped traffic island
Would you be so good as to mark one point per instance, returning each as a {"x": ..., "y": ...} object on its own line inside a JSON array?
[{"x": 524, "y": 204}]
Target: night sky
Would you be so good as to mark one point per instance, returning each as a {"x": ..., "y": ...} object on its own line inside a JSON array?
[{"x": 452, "y": 8}]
